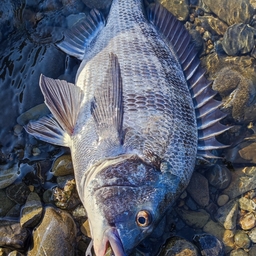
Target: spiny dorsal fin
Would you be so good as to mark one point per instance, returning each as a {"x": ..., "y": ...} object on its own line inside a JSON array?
[
  {"x": 81, "y": 34},
  {"x": 107, "y": 107},
  {"x": 206, "y": 108}
]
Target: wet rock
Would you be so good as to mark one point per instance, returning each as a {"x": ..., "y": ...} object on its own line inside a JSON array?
[
  {"x": 13, "y": 236},
  {"x": 247, "y": 204},
  {"x": 248, "y": 221},
  {"x": 55, "y": 235},
  {"x": 47, "y": 196},
  {"x": 209, "y": 245},
  {"x": 222, "y": 200},
  {"x": 177, "y": 8},
  {"x": 179, "y": 246},
  {"x": 6, "y": 203},
  {"x": 32, "y": 211},
  {"x": 237, "y": 92},
  {"x": 239, "y": 11},
  {"x": 227, "y": 215},
  {"x": 18, "y": 193},
  {"x": 194, "y": 219},
  {"x": 98, "y": 4},
  {"x": 198, "y": 189},
  {"x": 14, "y": 211},
  {"x": 63, "y": 166},
  {"x": 244, "y": 39},
  {"x": 238, "y": 252},
  {"x": 219, "y": 176},
  {"x": 252, "y": 235},
  {"x": 8, "y": 175},
  {"x": 15, "y": 253},
  {"x": 242, "y": 240}
]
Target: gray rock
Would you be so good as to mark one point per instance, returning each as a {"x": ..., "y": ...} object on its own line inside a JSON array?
[
  {"x": 242, "y": 240},
  {"x": 247, "y": 204},
  {"x": 8, "y": 176},
  {"x": 18, "y": 193},
  {"x": 31, "y": 213},
  {"x": 198, "y": 189},
  {"x": 63, "y": 166},
  {"x": 6, "y": 203},
  {"x": 209, "y": 245},
  {"x": 227, "y": 215},
  {"x": 13, "y": 236},
  {"x": 238, "y": 39},
  {"x": 238, "y": 252},
  {"x": 248, "y": 221},
  {"x": 55, "y": 235},
  {"x": 231, "y": 12}
]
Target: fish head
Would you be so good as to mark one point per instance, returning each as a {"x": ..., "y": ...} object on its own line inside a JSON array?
[{"x": 125, "y": 199}]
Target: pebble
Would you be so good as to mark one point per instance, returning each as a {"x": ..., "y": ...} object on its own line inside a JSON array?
[
  {"x": 238, "y": 252},
  {"x": 222, "y": 200},
  {"x": 55, "y": 235},
  {"x": 13, "y": 236},
  {"x": 244, "y": 35},
  {"x": 6, "y": 203},
  {"x": 227, "y": 214},
  {"x": 247, "y": 204},
  {"x": 248, "y": 221},
  {"x": 177, "y": 246},
  {"x": 198, "y": 189},
  {"x": 219, "y": 176},
  {"x": 252, "y": 235},
  {"x": 242, "y": 240},
  {"x": 31, "y": 212},
  {"x": 18, "y": 193},
  {"x": 209, "y": 245},
  {"x": 63, "y": 166},
  {"x": 8, "y": 176}
]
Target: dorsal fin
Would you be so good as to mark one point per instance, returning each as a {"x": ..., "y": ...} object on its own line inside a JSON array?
[{"x": 178, "y": 40}]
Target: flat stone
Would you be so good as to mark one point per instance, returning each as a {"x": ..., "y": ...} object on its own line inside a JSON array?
[
  {"x": 198, "y": 189},
  {"x": 55, "y": 235},
  {"x": 227, "y": 215},
  {"x": 13, "y": 236},
  {"x": 248, "y": 221},
  {"x": 31, "y": 213},
  {"x": 63, "y": 166},
  {"x": 18, "y": 192}
]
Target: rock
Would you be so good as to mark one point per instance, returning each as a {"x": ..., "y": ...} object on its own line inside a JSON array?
[
  {"x": 247, "y": 204},
  {"x": 198, "y": 189},
  {"x": 248, "y": 152},
  {"x": 219, "y": 176},
  {"x": 13, "y": 236},
  {"x": 85, "y": 229},
  {"x": 31, "y": 213},
  {"x": 242, "y": 240},
  {"x": 238, "y": 252},
  {"x": 6, "y": 203},
  {"x": 231, "y": 12},
  {"x": 237, "y": 92},
  {"x": 8, "y": 176},
  {"x": 14, "y": 212},
  {"x": 248, "y": 221},
  {"x": 177, "y": 8},
  {"x": 177, "y": 246},
  {"x": 222, "y": 200},
  {"x": 227, "y": 215},
  {"x": 194, "y": 219},
  {"x": 244, "y": 35},
  {"x": 63, "y": 166},
  {"x": 252, "y": 251},
  {"x": 98, "y": 4},
  {"x": 55, "y": 235},
  {"x": 18, "y": 193},
  {"x": 4, "y": 251},
  {"x": 209, "y": 245},
  {"x": 15, "y": 253},
  {"x": 252, "y": 235}
]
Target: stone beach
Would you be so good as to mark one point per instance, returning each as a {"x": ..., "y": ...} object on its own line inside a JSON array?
[{"x": 215, "y": 215}]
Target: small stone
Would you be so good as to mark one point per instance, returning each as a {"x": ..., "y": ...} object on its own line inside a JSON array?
[
  {"x": 18, "y": 193},
  {"x": 214, "y": 25},
  {"x": 209, "y": 245},
  {"x": 252, "y": 235},
  {"x": 238, "y": 252},
  {"x": 31, "y": 213},
  {"x": 36, "y": 151},
  {"x": 13, "y": 236},
  {"x": 247, "y": 204},
  {"x": 179, "y": 247},
  {"x": 47, "y": 196},
  {"x": 198, "y": 189},
  {"x": 55, "y": 235},
  {"x": 63, "y": 166},
  {"x": 222, "y": 200},
  {"x": 8, "y": 176},
  {"x": 219, "y": 176},
  {"x": 227, "y": 215},
  {"x": 242, "y": 240},
  {"x": 248, "y": 221}
]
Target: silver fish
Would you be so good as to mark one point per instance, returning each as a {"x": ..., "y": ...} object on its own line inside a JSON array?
[{"x": 140, "y": 113}]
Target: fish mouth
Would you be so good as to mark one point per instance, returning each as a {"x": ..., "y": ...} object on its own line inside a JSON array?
[{"x": 111, "y": 239}]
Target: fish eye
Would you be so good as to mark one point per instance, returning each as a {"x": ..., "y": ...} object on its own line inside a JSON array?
[{"x": 143, "y": 218}]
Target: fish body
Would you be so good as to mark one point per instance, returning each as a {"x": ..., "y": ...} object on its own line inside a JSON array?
[{"x": 130, "y": 121}]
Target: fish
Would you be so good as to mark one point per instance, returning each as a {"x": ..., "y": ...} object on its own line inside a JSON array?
[{"x": 138, "y": 116}]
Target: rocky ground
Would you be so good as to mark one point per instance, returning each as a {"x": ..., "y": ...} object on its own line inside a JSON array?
[{"x": 40, "y": 211}]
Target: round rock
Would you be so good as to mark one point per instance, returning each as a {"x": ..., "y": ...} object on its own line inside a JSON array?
[
  {"x": 63, "y": 166},
  {"x": 242, "y": 240},
  {"x": 55, "y": 235},
  {"x": 222, "y": 200}
]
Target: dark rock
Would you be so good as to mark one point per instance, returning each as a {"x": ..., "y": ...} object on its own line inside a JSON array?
[
  {"x": 18, "y": 193},
  {"x": 13, "y": 236},
  {"x": 244, "y": 39},
  {"x": 6, "y": 204},
  {"x": 55, "y": 235},
  {"x": 63, "y": 166},
  {"x": 209, "y": 245}
]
